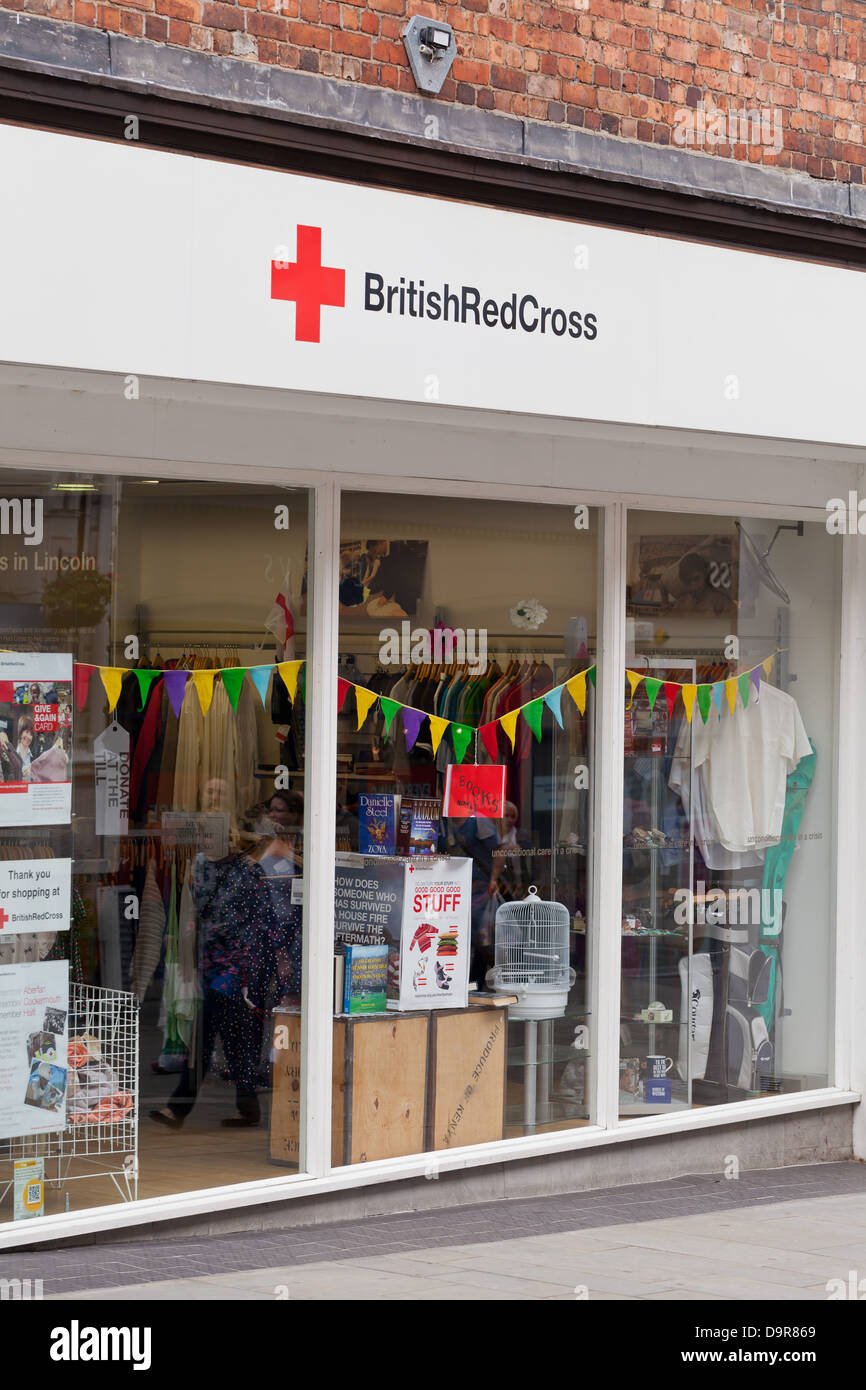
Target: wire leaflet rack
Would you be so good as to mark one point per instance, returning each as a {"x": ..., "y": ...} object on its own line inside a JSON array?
[{"x": 93, "y": 1148}]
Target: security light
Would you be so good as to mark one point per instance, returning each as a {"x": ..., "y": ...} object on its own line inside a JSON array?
[{"x": 431, "y": 49}]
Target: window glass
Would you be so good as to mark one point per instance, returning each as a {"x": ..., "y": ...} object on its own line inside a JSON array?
[
  {"x": 152, "y": 766},
  {"x": 727, "y": 918},
  {"x": 467, "y": 634}
]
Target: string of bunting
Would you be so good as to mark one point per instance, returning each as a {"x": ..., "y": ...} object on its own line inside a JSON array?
[{"x": 705, "y": 696}]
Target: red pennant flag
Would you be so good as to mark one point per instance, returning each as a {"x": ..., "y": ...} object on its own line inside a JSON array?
[
  {"x": 489, "y": 739},
  {"x": 343, "y": 688},
  {"x": 671, "y": 692},
  {"x": 80, "y": 681}
]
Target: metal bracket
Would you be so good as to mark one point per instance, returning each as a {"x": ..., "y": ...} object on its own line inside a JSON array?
[{"x": 431, "y": 49}]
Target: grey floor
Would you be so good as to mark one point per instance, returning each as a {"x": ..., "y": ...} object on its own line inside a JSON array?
[{"x": 784, "y": 1234}]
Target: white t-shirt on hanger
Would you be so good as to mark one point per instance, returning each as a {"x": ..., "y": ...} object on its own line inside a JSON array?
[{"x": 745, "y": 760}]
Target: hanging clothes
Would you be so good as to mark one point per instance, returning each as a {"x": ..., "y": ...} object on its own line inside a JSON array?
[{"x": 151, "y": 929}]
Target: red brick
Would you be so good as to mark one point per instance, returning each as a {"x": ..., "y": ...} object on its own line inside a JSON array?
[
  {"x": 190, "y": 10},
  {"x": 358, "y": 45},
  {"x": 507, "y": 79},
  {"x": 219, "y": 16},
  {"x": 269, "y": 26}
]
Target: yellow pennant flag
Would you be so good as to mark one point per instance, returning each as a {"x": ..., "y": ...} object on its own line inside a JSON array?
[
  {"x": 290, "y": 670},
  {"x": 731, "y": 688},
  {"x": 203, "y": 682},
  {"x": 768, "y": 665},
  {"x": 112, "y": 679},
  {"x": 634, "y": 680},
  {"x": 509, "y": 723},
  {"x": 690, "y": 693},
  {"x": 437, "y": 729},
  {"x": 576, "y": 688},
  {"x": 364, "y": 698}
]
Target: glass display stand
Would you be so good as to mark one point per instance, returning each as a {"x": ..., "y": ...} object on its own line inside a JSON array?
[{"x": 652, "y": 872}]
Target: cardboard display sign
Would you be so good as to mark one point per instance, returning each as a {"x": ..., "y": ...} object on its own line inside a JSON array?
[
  {"x": 435, "y": 936},
  {"x": 475, "y": 790}
]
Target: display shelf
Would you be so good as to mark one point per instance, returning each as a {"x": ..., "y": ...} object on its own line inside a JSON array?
[
  {"x": 628, "y": 1108},
  {"x": 636, "y": 1018},
  {"x": 548, "y": 1112},
  {"x": 681, "y": 932},
  {"x": 562, "y": 1052}
]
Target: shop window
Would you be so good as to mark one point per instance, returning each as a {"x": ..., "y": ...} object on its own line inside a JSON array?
[
  {"x": 727, "y": 916},
  {"x": 467, "y": 637},
  {"x": 151, "y": 811}
]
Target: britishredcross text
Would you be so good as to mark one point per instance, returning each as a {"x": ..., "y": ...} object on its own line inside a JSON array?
[{"x": 464, "y": 304}]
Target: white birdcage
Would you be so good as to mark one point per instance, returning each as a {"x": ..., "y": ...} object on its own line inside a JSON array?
[{"x": 531, "y": 957}]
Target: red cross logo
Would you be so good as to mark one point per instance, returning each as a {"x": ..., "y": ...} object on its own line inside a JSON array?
[
  {"x": 4, "y": 918},
  {"x": 309, "y": 283}
]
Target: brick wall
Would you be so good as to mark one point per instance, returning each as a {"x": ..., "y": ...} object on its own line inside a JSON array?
[{"x": 770, "y": 81}]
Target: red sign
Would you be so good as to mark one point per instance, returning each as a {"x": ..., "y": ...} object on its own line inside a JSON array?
[
  {"x": 309, "y": 283},
  {"x": 474, "y": 789},
  {"x": 44, "y": 718}
]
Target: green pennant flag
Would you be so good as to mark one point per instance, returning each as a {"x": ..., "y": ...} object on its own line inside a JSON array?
[
  {"x": 705, "y": 699},
  {"x": 652, "y": 688},
  {"x": 743, "y": 683},
  {"x": 233, "y": 679},
  {"x": 302, "y": 682},
  {"x": 532, "y": 715},
  {"x": 591, "y": 674},
  {"x": 389, "y": 708},
  {"x": 145, "y": 681},
  {"x": 461, "y": 737}
]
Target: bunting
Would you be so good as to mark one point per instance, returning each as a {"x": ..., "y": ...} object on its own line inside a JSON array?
[{"x": 735, "y": 689}]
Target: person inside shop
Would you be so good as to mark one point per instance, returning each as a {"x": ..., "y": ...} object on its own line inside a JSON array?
[
  {"x": 10, "y": 763},
  {"x": 476, "y": 838},
  {"x": 280, "y": 853},
  {"x": 25, "y": 745},
  {"x": 512, "y": 858},
  {"x": 240, "y": 942}
]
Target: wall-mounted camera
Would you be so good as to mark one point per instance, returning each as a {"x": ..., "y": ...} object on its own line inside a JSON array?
[{"x": 431, "y": 49}]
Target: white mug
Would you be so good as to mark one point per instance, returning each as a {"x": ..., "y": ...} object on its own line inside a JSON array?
[{"x": 657, "y": 1067}]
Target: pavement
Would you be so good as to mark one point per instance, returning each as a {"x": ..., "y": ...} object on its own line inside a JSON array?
[{"x": 784, "y": 1234}]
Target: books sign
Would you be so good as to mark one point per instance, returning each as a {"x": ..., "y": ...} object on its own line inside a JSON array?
[{"x": 474, "y": 790}]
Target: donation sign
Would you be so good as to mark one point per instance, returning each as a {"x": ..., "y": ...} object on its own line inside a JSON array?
[
  {"x": 34, "y": 895},
  {"x": 435, "y": 935},
  {"x": 474, "y": 790},
  {"x": 34, "y": 1010}
]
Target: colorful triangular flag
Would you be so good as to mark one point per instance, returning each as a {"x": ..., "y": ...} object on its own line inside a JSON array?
[
  {"x": 260, "y": 677},
  {"x": 145, "y": 681},
  {"x": 112, "y": 680},
  {"x": 81, "y": 680},
  {"x": 203, "y": 682},
  {"x": 705, "y": 699},
  {"x": 652, "y": 688},
  {"x": 233, "y": 679},
  {"x": 553, "y": 700},
  {"x": 389, "y": 709},
  {"x": 289, "y": 671},
  {"x": 576, "y": 688},
  {"x": 461, "y": 737},
  {"x": 175, "y": 686},
  {"x": 634, "y": 680},
  {"x": 743, "y": 683},
  {"x": 437, "y": 729},
  {"x": 532, "y": 714},
  {"x": 672, "y": 690},
  {"x": 365, "y": 699},
  {"x": 489, "y": 739},
  {"x": 343, "y": 688},
  {"x": 412, "y": 721},
  {"x": 731, "y": 692},
  {"x": 718, "y": 695},
  {"x": 689, "y": 695},
  {"x": 509, "y": 723}
]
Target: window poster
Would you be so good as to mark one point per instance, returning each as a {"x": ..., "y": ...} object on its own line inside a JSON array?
[
  {"x": 434, "y": 938},
  {"x": 34, "y": 1011},
  {"x": 34, "y": 895},
  {"x": 35, "y": 738}
]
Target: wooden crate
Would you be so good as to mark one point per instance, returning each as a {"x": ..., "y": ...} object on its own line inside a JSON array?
[
  {"x": 378, "y": 1087},
  {"x": 466, "y": 1076}
]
